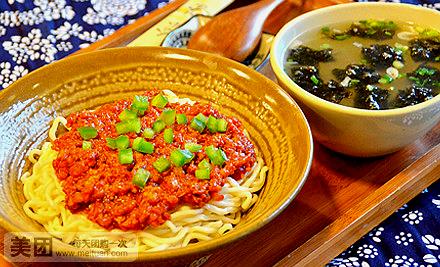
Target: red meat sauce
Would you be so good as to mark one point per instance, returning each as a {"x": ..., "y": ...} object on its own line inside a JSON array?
[{"x": 96, "y": 184}]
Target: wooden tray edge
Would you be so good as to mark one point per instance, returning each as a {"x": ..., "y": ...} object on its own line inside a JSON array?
[{"x": 367, "y": 214}]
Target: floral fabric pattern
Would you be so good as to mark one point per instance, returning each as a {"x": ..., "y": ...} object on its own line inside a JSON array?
[
  {"x": 34, "y": 33},
  {"x": 408, "y": 238}
]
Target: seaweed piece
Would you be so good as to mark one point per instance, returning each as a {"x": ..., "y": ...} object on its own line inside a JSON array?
[
  {"x": 304, "y": 55},
  {"x": 333, "y": 92},
  {"x": 361, "y": 72},
  {"x": 373, "y": 29},
  {"x": 371, "y": 97},
  {"x": 307, "y": 77},
  {"x": 425, "y": 76},
  {"x": 382, "y": 55},
  {"x": 413, "y": 95},
  {"x": 425, "y": 50}
]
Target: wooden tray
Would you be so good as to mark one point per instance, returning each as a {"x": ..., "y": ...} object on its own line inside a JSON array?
[{"x": 343, "y": 197}]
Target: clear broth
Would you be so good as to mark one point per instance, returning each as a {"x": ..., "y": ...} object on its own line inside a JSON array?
[{"x": 347, "y": 52}]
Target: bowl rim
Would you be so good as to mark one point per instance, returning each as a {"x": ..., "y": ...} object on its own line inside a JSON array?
[
  {"x": 278, "y": 64},
  {"x": 210, "y": 245}
]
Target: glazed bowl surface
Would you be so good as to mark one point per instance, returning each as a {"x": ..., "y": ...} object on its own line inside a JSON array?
[{"x": 274, "y": 122}]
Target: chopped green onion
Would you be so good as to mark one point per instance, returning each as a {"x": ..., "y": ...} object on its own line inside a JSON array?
[
  {"x": 437, "y": 59},
  {"x": 325, "y": 46},
  {"x": 204, "y": 164},
  {"x": 203, "y": 174},
  {"x": 342, "y": 37},
  {"x": 120, "y": 142},
  {"x": 159, "y": 101},
  {"x": 385, "y": 79},
  {"x": 201, "y": 117},
  {"x": 129, "y": 126},
  {"x": 87, "y": 132},
  {"x": 314, "y": 80},
  {"x": 193, "y": 147},
  {"x": 425, "y": 71},
  {"x": 125, "y": 156},
  {"x": 86, "y": 145},
  {"x": 325, "y": 29},
  {"x": 148, "y": 133},
  {"x": 161, "y": 164},
  {"x": 364, "y": 61},
  {"x": 398, "y": 64},
  {"x": 370, "y": 87},
  {"x": 168, "y": 135},
  {"x": 217, "y": 156},
  {"x": 222, "y": 125},
  {"x": 401, "y": 47},
  {"x": 401, "y": 75},
  {"x": 181, "y": 157},
  {"x": 140, "y": 178},
  {"x": 127, "y": 115},
  {"x": 140, "y": 102},
  {"x": 168, "y": 116},
  {"x": 354, "y": 82},
  {"x": 158, "y": 126},
  {"x": 140, "y": 145},
  {"x": 211, "y": 124},
  {"x": 181, "y": 119},
  {"x": 198, "y": 123}
]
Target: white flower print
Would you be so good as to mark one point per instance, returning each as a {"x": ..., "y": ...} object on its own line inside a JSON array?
[
  {"x": 13, "y": 1},
  {"x": 8, "y": 75},
  {"x": 348, "y": 262},
  {"x": 64, "y": 46},
  {"x": 367, "y": 251},
  {"x": 112, "y": 11},
  {"x": 32, "y": 46},
  {"x": 429, "y": 258},
  {"x": 375, "y": 234},
  {"x": 161, "y": 4},
  {"x": 404, "y": 238},
  {"x": 425, "y": 190},
  {"x": 67, "y": 30},
  {"x": 431, "y": 242},
  {"x": 45, "y": 10},
  {"x": 9, "y": 18},
  {"x": 2, "y": 30},
  {"x": 436, "y": 202},
  {"x": 413, "y": 217},
  {"x": 93, "y": 36},
  {"x": 403, "y": 207},
  {"x": 401, "y": 261}
]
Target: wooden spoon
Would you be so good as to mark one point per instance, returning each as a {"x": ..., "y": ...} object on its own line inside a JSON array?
[{"x": 236, "y": 33}]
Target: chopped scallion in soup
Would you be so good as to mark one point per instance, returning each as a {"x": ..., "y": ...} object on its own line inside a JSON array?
[{"x": 368, "y": 64}]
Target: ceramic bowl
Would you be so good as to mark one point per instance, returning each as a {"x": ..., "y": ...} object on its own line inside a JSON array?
[
  {"x": 275, "y": 124},
  {"x": 354, "y": 131}
]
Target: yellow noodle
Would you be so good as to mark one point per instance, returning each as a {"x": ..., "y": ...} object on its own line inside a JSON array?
[{"x": 46, "y": 205}]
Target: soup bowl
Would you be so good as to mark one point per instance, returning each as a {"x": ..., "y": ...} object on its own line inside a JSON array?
[
  {"x": 348, "y": 130},
  {"x": 89, "y": 80}
]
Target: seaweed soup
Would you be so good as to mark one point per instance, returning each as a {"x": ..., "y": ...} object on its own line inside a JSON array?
[{"x": 368, "y": 64}]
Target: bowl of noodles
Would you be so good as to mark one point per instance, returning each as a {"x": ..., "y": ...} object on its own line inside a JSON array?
[{"x": 147, "y": 154}]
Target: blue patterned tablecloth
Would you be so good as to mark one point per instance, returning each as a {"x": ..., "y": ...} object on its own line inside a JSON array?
[{"x": 36, "y": 32}]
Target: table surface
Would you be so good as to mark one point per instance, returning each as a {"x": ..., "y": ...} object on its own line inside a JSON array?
[{"x": 343, "y": 197}]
